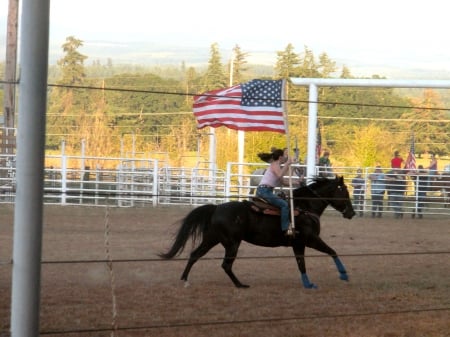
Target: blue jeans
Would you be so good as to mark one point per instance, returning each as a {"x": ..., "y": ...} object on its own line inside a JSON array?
[
  {"x": 397, "y": 202},
  {"x": 377, "y": 203},
  {"x": 267, "y": 194}
]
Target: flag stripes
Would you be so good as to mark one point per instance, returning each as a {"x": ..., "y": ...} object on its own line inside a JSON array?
[
  {"x": 252, "y": 106},
  {"x": 410, "y": 163}
]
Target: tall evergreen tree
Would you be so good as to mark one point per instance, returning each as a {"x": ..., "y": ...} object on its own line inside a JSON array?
[
  {"x": 238, "y": 65},
  {"x": 66, "y": 103},
  {"x": 287, "y": 61},
  {"x": 345, "y": 72},
  {"x": 215, "y": 77},
  {"x": 308, "y": 66},
  {"x": 326, "y": 66},
  {"x": 72, "y": 64}
]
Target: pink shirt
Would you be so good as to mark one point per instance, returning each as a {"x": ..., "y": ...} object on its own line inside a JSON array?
[{"x": 269, "y": 178}]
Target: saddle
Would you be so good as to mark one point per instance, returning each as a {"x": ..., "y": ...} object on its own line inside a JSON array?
[{"x": 261, "y": 205}]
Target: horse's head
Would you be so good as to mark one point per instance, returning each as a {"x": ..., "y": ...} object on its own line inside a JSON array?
[
  {"x": 340, "y": 199},
  {"x": 332, "y": 192}
]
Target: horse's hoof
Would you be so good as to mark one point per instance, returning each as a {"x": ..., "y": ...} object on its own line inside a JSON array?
[
  {"x": 310, "y": 286},
  {"x": 306, "y": 283},
  {"x": 244, "y": 286},
  {"x": 343, "y": 277},
  {"x": 187, "y": 284}
]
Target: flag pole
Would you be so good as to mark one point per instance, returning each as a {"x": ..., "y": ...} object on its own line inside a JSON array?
[{"x": 286, "y": 127}]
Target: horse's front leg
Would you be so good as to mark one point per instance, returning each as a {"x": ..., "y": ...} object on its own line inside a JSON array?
[
  {"x": 299, "y": 251},
  {"x": 317, "y": 243},
  {"x": 340, "y": 267}
]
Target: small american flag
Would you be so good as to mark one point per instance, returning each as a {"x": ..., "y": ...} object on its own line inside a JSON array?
[
  {"x": 256, "y": 105},
  {"x": 410, "y": 163}
]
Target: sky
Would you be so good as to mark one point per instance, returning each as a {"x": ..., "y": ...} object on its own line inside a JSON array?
[{"x": 366, "y": 35}]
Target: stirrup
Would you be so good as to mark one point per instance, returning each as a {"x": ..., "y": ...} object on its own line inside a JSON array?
[{"x": 289, "y": 232}]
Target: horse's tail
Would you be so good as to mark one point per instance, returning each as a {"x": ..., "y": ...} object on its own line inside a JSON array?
[{"x": 193, "y": 225}]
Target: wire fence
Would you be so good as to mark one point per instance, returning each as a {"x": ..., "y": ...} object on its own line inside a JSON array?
[{"x": 116, "y": 329}]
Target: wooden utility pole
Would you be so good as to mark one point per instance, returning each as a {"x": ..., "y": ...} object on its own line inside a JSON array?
[{"x": 8, "y": 144}]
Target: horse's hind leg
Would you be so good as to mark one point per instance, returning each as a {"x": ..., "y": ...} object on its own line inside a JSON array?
[
  {"x": 196, "y": 254},
  {"x": 227, "y": 264}
]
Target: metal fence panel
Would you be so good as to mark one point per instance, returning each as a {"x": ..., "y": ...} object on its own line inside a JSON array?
[{"x": 142, "y": 182}]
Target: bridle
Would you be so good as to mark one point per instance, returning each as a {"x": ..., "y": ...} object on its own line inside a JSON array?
[{"x": 342, "y": 211}]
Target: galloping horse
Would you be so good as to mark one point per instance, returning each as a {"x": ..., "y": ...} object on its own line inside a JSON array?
[{"x": 231, "y": 222}]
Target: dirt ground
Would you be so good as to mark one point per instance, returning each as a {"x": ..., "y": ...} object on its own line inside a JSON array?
[{"x": 399, "y": 279}]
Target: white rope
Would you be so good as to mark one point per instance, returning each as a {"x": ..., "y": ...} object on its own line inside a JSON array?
[{"x": 111, "y": 274}]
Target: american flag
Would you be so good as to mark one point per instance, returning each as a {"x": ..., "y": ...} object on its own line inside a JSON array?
[
  {"x": 256, "y": 105},
  {"x": 410, "y": 163}
]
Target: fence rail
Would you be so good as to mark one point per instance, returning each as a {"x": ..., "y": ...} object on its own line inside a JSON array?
[{"x": 141, "y": 182}]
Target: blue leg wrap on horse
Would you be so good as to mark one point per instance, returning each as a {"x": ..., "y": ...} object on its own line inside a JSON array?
[
  {"x": 306, "y": 282},
  {"x": 340, "y": 267}
]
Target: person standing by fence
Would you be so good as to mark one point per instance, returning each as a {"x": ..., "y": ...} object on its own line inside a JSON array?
[
  {"x": 421, "y": 183},
  {"x": 377, "y": 188},
  {"x": 325, "y": 165},
  {"x": 358, "y": 184},
  {"x": 397, "y": 160},
  {"x": 433, "y": 167},
  {"x": 396, "y": 186}
]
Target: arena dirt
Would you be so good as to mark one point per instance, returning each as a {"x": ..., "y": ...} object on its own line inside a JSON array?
[{"x": 399, "y": 279}]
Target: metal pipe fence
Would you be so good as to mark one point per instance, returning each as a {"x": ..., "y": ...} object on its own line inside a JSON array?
[{"x": 125, "y": 182}]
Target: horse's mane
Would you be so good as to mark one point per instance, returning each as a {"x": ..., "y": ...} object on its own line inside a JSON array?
[{"x": 317, "y": 184}]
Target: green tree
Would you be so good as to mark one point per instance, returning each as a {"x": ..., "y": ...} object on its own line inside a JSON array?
[
  {"x": 96, "y": 129},
  {"x": 65, "y": 102},
  {"x": 428, "y": 121},
  {"x": 287, "y": 61},
  {"x": 345, "y": 72},
  {"x": 326, "y": 66},
  {"x": 239, "y": 67},
  {"x": 366, "y": 147},
  {"x": 308, "y": 66},
  {"x": 189, "y": 81},
  {"x": 215, "y": 77},
  {"x": 72, "y": 64}
]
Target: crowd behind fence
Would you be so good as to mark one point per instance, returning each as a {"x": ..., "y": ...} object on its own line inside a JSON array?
[{"x": 125, "y": 182}]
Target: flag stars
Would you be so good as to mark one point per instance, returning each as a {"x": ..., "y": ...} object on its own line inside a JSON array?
[{"x": 262, "y": 93}]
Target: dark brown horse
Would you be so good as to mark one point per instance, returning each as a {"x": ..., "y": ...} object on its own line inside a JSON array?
[{"x": 231, "y": 223}]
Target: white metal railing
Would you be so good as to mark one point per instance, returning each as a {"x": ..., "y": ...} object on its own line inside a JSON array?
[{"x": 139, "y": 182}]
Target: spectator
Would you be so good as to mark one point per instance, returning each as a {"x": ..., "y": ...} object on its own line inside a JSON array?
[
  {"x": 396, "y": 186},
  {"x": 358, "y": 184},
  {"x": 433, "y": 166},
  {"x": 421, "y": 183},
  {"x": 325, "y": 164},
  {"x": 377, "y": 188},
  {"x": 397, "y": 161}
]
